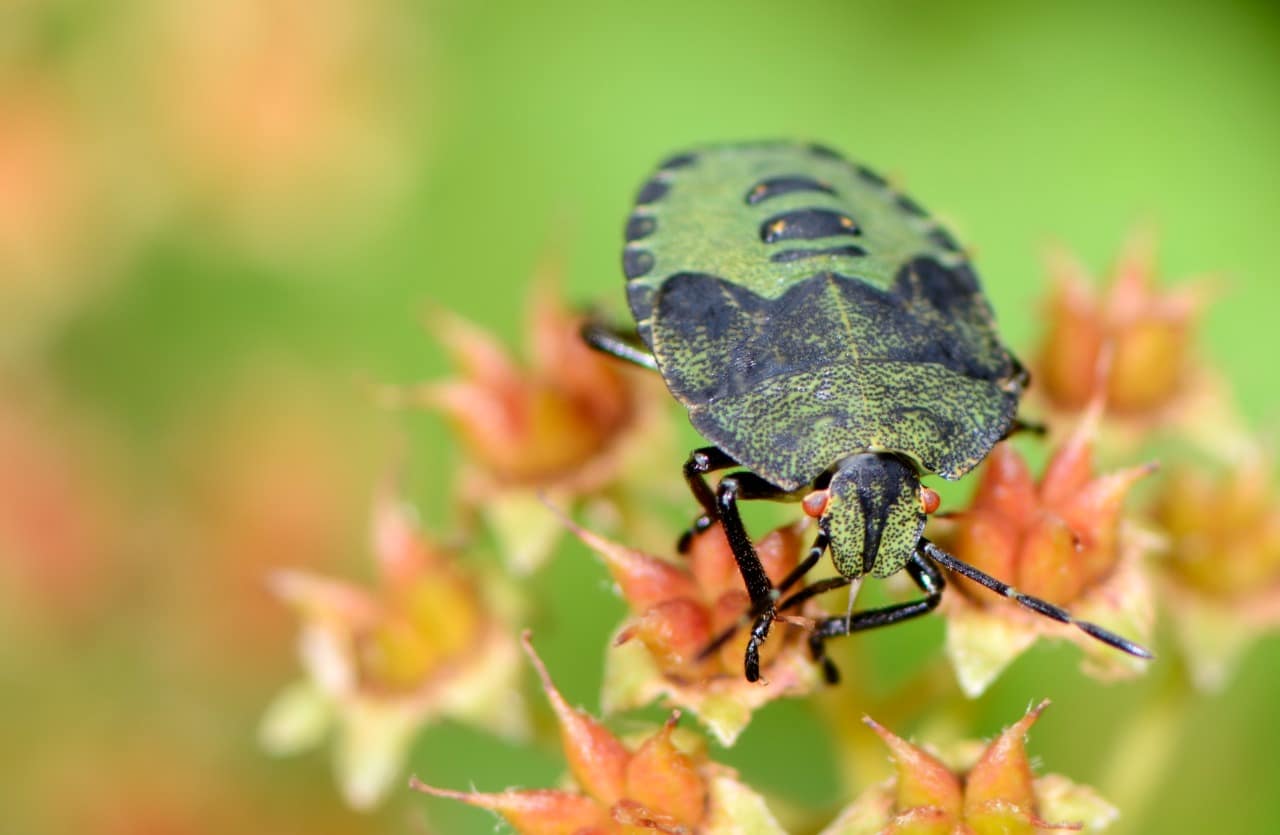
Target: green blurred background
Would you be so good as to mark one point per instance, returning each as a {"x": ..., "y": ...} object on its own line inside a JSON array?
[{"x": 218, "y": 216}]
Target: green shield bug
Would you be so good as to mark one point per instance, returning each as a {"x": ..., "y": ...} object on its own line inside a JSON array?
[{"x": 831, "y": 340}]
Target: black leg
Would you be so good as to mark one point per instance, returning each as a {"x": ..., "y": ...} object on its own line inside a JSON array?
[
  {"x": 816, "y": 550},
  {"x": 746, "y": 486},
  {"x": 1035, "y": 604},
  {"x": 1020, "y": 425},
  {"x": 606, "y": 339},
  {"x": 829, "y": 671},
  {"x": 813, "y": 590},
  {"x": 764, "y": 618},
  {"x": 1020, "y": 373},
  {"x": 702, "y": 461},
  {"x": 926, "y": 576}
]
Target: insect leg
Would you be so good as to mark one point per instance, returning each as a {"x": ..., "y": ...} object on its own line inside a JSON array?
[
  {"x": 816, "y": 551},
  {"x": 1020, "y": 373},
  {"x": 1035, "y": 604},
  {"x": 746, "y": 485},
  {"x": 1019, "y": 425},
  {"x": 764, "y": 618},
  {"x": 615, "y": 343},
  {"x": 700, "y": 462},
  {"x": 925, "y": 574}
]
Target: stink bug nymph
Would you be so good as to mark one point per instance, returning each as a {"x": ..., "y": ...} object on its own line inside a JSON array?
[{"x": 831, "y": 340}]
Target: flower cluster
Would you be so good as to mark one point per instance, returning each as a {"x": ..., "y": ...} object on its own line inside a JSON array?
[
  {"x": 972, "y": 789},
  {"x": 1215, "y": 523},
  {"x": 569, "y": 431},
  {"x": 1222, "y": 569},
  {"x": 679, "y": 609},
  {"x": 573, "y": 425},
  {"x": 1063, "y": 539},
  {"x": 184, "y": 471},
  {"x": 383, "y": 664},
  {"x": 663, "y": 784},
  {"x": 1143, "y": 334}
]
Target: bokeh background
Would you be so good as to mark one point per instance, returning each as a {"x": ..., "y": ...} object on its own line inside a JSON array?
[{"x": 219, "y": 219}]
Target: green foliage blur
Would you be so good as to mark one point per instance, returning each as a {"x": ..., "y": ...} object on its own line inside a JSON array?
[{"x": 221, "y": 219}]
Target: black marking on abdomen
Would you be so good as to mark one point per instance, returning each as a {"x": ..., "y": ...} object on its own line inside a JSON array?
[
  {"x": 699, "y": 306},
  {"x": 652, "y": 191},
  {"x": 807, "y": 224},
  {"x": 825, "y": 152},
  {"x": 640, "y": 299},
  {"x": 953, "y": 291},
  {"x": 910, "y": 206},
  {"x": 678, "y": 161},
  {"x": 943, "y": 239},
  {"x": 776, "y": 186},
  {"x": 640, "y": 226},
  {"x": 788, "y": 255},
  {"x": 871, "y": 176},
  {"x": 636, "y": 262}
]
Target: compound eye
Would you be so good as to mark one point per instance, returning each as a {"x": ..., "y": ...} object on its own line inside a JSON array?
[
  {"x": 929, "y": 500},
  {"x": 815, "y": 504}
]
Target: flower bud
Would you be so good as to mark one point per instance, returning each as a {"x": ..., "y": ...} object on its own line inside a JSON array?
[
  {"x": 976, "y": 789},
  {"x": 656, "y": 786},
  {"x": 1146, "y": 332}
]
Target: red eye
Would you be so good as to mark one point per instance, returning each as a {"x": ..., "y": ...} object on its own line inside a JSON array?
[
  {"x": 929, "y": 500},
  {"x": 815, "y": 504}
]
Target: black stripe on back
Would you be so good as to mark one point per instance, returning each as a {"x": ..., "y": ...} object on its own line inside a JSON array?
[
  {"x": 910, "y": 206},
  {"x": 776, "y": 186},
  {"x": 943, "y": 239},
  {"x": 678, "y": 161},
  {"x": 824, "y": 152},
  {"x": 788, "y": 255},
  {"x": 871, "y": 176},
  {"x": 807, "y": 224}
]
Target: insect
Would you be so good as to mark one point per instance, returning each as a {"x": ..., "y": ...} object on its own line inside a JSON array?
[{"x": 831, "y": 341}]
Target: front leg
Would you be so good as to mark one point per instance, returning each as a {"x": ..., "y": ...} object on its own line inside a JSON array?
[
  {"x": 922, "y": 572},
  {"x": 1029, "y": 426},
  {"x": 763, "y": 620},
  {"x": 702, "y": 461},
  {"x": 748, "y": 486}
]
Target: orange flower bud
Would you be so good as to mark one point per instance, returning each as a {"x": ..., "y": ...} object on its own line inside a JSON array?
[
  {"x": 1063, "y": 539},
  {"x": 568, "y": 423},
  {"x": 657, "y": 787},
  {"x": 1224, "y": 528},
  {"x": 922, "y": 779},
  {"x": 384, "y": 663},
  {"x": 533, "y": 812},
  {"x": 663, "y": 778},
  {"x": 1054, "y": 539},
  {"x": 1222, "y": 574},
  {"x": 983, "y": 792},
  {"x": 597, "y": 759},
  {"x": 540, "y": 425},
  {"x": 1147, "y": 333},
  {"x": 679, "y": 609}
]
